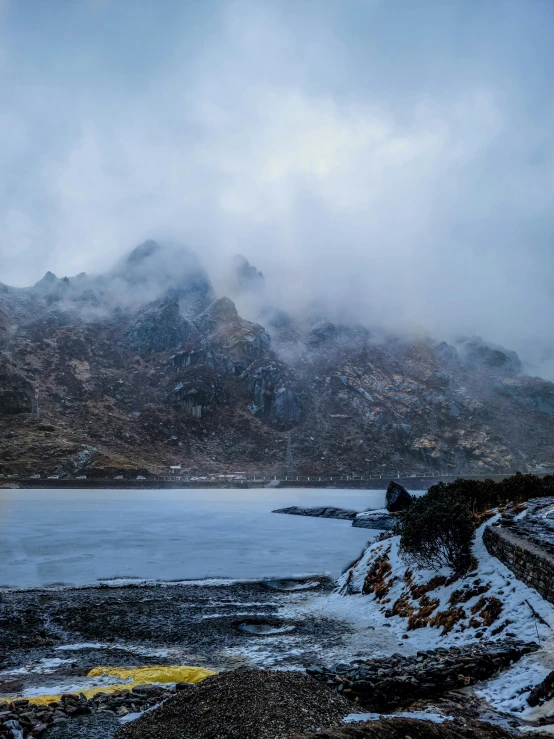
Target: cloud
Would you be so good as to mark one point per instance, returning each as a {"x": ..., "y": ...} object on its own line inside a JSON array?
[{"x": 425, "y": 211}]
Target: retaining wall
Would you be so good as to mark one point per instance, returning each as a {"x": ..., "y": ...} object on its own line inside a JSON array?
[{"x": 529, "y": 563}]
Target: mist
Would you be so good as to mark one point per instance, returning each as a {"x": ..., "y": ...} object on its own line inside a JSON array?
[{"x": 392, "y": 160}]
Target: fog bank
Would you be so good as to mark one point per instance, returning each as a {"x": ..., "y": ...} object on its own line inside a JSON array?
[{"x": 393, "y": 160}]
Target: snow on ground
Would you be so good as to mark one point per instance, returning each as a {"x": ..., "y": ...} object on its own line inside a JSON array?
[
  {"x": 134, "y": 649},
  {"x": 433, "y": 717},
  {"x": 379, "y": 632},
  {"x": 491, "y": 578},
  {"x": 41, "y": 667},
  {"x": 509, "y": 691}
]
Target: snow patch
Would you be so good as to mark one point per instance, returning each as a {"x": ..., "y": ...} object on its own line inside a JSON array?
[{"x": 435, "y": 718}]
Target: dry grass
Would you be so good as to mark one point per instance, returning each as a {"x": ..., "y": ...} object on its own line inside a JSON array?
[
  {"x": 378, "y": 580},
  {"x": 488, "y": 609},
  {"x": 421, "y": 619},
  {"x": 418, "y": 591},
  {"x": 464, "y": 594},
  {"x": 448, "y": 619}
]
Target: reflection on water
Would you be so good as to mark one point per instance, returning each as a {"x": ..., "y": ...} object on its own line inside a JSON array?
[{"x": 81, "y": 536}]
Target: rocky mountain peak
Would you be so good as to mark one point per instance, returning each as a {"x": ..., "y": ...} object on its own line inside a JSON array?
[
  {"x": 159, "y": 327},
  {"x": 222, "y": 312},
  {"x": 48, "y": 281},
  {"x": 246, "y": 276},
  {"x": 150, "y": 338},
  {"x": 142, "y": 252},
  {"x": 477, "y": 352}
]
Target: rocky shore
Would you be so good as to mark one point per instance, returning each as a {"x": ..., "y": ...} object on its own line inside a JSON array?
[
  {"x": 320, "y": 512},
  {"x": 22, "y": 716},
  {"x": 261, "y": 704},
  {"x": 397, "y": 499},
  {"x": 399, "y": 680}
]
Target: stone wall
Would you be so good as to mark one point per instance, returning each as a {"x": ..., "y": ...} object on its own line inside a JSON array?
[{"x": 529, "y": 563}]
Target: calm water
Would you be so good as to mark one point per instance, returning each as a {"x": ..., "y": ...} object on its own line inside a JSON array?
[{"x": 79, "y": 537}]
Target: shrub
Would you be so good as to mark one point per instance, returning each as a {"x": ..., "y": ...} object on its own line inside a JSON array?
[
  {"x": 437, "y": 530},
  {"x": 482, "y": 495}
]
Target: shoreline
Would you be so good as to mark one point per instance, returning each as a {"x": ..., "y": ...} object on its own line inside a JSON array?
[{"x": 375, "y": 483}]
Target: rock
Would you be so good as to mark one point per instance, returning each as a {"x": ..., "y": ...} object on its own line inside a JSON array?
[
  {"x": 160, "y": 328},
  {"x": 15, "y": 727},
  {"x": 246, "y": 277},
  {"x": 384, "y": 684},
  {"x": 272, "y": 398},
  {"x": 197, "y": 393},
  {"x": 398, "y": 498},
  {"x": 159, "y": 270},
  {"x": 16, "y": 391},
  {"x": 223, "y": 312},
  {"x": 102, "y": 725},
  {"x": 374, "y": 520},
  {"x": 323, "y": 512},
  {"x": 475, "y": 351},
  {"x": 542, "y": 692},
  {"x": 39, "y": 730},
  {"x": 285, "y": 408}
]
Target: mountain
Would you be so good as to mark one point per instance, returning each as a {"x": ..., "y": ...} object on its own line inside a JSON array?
[{"x": 146, "y": 366}]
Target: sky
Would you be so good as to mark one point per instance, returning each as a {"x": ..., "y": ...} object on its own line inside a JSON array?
[{"x": 394, "y": 158}]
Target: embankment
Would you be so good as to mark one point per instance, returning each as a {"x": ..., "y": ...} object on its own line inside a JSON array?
[{"x": 529, "y": 563}]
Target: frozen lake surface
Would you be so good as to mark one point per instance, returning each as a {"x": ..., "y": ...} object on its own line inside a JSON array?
[{"x": 81, "y": 537}]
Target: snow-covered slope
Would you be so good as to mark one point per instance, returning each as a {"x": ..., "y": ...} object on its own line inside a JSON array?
[
  {"x": 424, "y": 605},
  {"x": 425, "y": 609}
]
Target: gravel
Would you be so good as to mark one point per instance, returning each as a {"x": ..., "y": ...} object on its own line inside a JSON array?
[
  {"x": 243, "y": 704},
  {"x": 406, "y": 728}
]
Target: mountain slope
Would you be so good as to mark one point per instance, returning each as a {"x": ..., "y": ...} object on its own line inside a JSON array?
[{"x": 146, "y": 366}]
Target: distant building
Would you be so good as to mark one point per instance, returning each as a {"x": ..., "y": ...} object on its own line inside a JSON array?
[{"x": 174, "y": 469}]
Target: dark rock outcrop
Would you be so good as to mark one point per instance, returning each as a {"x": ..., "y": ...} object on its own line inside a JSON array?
[
  {"x": 398, "y": 498},
  {"x": 322, "y": 512},
  {"x": 398, "y": 680},
  {"x": 542, "y": 692},
  {"x": 16, "y": 391},
  {"x": 101, "y": 725},
  {"x": 475, "y": 351},
  {"x": 245, "y": 277},
  {"x": 197, "y": 392},
  {"x": 374, "y": 520},
  {"x": 272, "y": 399},
  {"x": 172, "y": 271},
  {"x": 160, "y": 328},
  {"x": 220, "y": 314}
]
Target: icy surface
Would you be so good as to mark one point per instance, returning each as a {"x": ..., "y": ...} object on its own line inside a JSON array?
[{"x": 80, "y": 537}]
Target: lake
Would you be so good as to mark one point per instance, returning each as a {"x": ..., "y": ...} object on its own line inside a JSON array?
[{"x": 83, "y": 537}]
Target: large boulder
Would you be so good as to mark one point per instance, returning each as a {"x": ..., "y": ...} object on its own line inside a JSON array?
[{"x": 398, "y": 498}]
